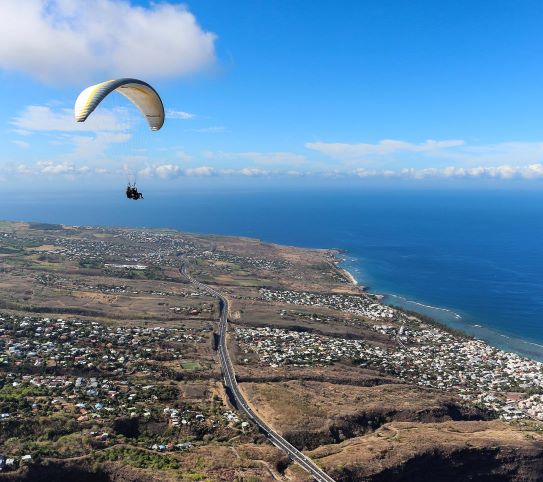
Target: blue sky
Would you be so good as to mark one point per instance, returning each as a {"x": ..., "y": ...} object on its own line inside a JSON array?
[{"x": 273, "y": 89}]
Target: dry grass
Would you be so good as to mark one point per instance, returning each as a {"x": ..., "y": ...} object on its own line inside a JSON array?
[
  {"x": 315, "y": 406},
  {"x": 395, "y": 443}
]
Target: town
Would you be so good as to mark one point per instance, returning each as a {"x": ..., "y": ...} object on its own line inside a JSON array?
[
  {"x": 94, "y": 374},
  {"x": 108, "y": 352},
  {"x": 364, "y": 306},
  {"x": 485, "y": 376}
]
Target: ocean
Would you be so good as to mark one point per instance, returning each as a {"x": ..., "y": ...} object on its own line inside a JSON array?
[{"x": 470, "y": 258}]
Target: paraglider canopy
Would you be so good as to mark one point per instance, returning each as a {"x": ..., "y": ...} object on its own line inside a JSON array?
[{"x": 140, "y": 93}]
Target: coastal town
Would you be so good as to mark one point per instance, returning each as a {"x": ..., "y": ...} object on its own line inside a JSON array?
[
  {"x": 108, "y": 351},
  {"x": 506, "y": 383},
  {"x": 364, "y": 306}
]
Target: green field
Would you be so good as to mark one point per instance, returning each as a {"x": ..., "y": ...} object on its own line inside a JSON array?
[{"x": 190, "y": 365}]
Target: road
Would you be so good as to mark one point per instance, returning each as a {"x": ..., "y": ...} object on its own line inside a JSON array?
[{"x": 232, "y": 385}]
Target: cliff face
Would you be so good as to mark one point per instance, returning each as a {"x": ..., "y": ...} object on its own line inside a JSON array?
[
  {"x": 478, "y": 464},
  {"x": 310, "y": 414},
  {"x": 440, "y": 452},
  {"x": 60, "y": 471},
  {"x": 82, "y": 471},
  {"x": 367, "y": 421}
]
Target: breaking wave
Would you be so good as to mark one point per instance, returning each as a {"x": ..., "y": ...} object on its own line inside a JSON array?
[{"x": 406, "y": 300}]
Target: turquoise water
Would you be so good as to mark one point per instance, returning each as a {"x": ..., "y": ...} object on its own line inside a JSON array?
[{"x": 473, "y": 259}]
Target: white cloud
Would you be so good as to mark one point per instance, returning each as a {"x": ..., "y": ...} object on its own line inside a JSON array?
[
  {"x": 455, "y": 151},
  {"x": 494, "y": 154},
  {"x": 179, "y": 114},
  {"x": 252, "y": 172},
  {"x": 362, "y": 172},
  {"x": 24, "y": 169},
  {"x": 529, "y": 171},
  {"x": 382, "y": 148},
  {"x": 43, "y": 118},
  {"x": 133, "y": 158},
  {"x": 50, "y": 168},
  {"x": 246, "y": 172},
  {"x": 293, "y": 173},
  {"x": 22, "y": 132},
  {"x": 60, "y": 41},
  {"x": 172, "y": 171},
  {"x": 89, "y": 140},
  {"x": 165, "y": 171},
  {"x": 200, "y": 171},
  {"x": 182, "y": 155},
  {"x": 21, "y": 144}
]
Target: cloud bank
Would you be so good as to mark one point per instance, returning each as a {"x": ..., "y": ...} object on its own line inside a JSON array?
[
  {"x": 50, "y": 168},
  {"x": 396, "y": 152},
  {"x": 165, "y": 172},
  {"x": 172, "y": 171},
  {"x": 382, "y": 148},
  {"x": 530, "y": 171},
  {"x": 60, "y": 41}
]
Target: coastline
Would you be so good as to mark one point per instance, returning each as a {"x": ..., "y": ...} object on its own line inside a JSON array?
[
  {"x": 501, "y": 341},
  {"x": 448, "y": 338},
  {"x": 349, "y": 276}
]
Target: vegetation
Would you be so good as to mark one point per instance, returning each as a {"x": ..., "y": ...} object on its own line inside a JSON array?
[
  {"x": 190, "y": 365},
  {"x": 141, "y": 459},
  {"x": 89, "y": 263},
  {"x": 45, "y": 226},
  {"x": 9, "y": 250}
]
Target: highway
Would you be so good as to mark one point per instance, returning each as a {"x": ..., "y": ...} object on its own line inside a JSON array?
[{"x": 232, "y": 385}]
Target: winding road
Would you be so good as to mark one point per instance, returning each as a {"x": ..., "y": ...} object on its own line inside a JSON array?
[{"x": 232, "y": 385}]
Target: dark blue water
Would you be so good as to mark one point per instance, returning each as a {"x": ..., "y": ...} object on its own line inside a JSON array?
[{"x": 477, "y": 254}]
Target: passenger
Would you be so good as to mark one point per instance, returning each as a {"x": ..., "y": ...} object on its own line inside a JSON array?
[{"x": 132, "y": 193}]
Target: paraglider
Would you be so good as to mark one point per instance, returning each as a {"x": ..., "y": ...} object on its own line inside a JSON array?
[
  {"x": 133, "y": 193},
  {"x": 140, "y": 93}
]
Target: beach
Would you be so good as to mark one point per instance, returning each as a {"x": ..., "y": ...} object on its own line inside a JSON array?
[{"x": 349, "y": 276}]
